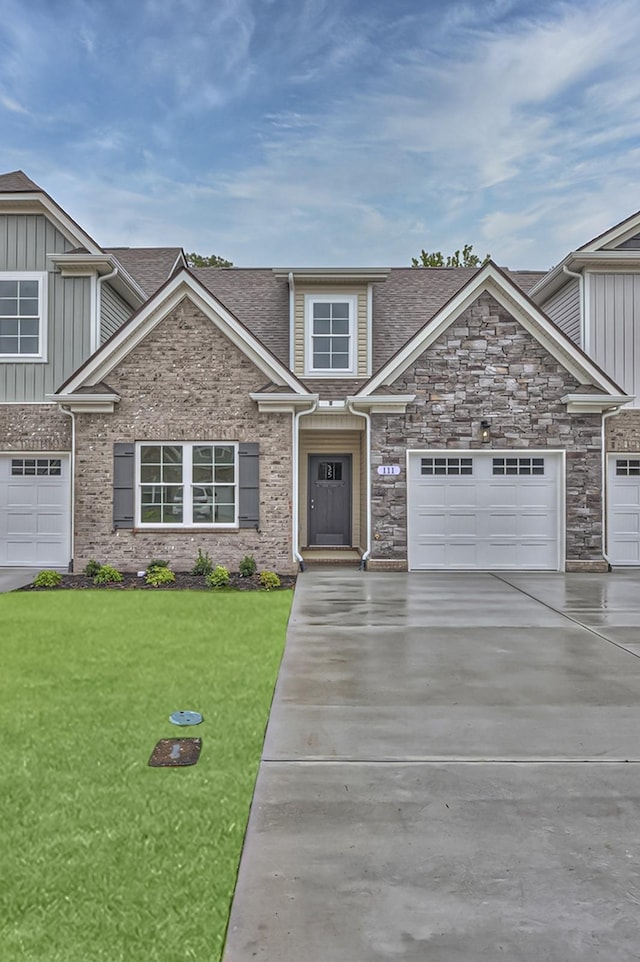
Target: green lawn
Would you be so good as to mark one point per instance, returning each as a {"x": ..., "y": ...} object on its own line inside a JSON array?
[{"x": 104, "y": 858}]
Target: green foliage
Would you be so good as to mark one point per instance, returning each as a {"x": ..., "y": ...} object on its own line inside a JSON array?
[
  {"x": 437, "y": 259},
  {"x": 248, "y": 566},
  {"x": 213, "y": 260},
  {"x": 92, "y": 568},
  {"x": 219, "y": 577},
  {"x": 269, "y": 580},
  {"x": 48, "y": 579},
  {"x": 203, "y": 564},
  {"x": 107, "y": 575},
  {"x": 160, "y": 576},
  {"x": 157, "y": 563}
]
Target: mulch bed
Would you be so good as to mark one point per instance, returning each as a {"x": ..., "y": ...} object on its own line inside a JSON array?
[{"x": 184, "y": 580}]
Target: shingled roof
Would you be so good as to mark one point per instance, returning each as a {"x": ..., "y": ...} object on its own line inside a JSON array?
[
  {"x": 16, "y": 181},
  {"x": 150, "y": 267}
]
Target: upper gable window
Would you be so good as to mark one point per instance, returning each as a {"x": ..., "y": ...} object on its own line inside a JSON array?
[
  {"x": 330, "y": 323},
  {"x": 22, "y": 316}
]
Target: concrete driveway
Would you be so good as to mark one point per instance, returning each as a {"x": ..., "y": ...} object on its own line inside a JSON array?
[
  {"x": 451, "y": 773},
  {"x": 13, "y": 578}
]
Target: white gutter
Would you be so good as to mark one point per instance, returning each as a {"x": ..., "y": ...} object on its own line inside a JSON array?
[
  {"x": 292, "y": 320},
  {"x": 103, "y": 277},
  {"x": 295, "y": 513},
  {"x": 72, "y": 480},
  {"x": 367, "y": 417},
  {"x": 583, "y": 319}
]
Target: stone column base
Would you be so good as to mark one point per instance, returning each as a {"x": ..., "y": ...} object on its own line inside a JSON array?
[
  {"x": 387, "y": 564},
  {"x": 594, "y": 567}
]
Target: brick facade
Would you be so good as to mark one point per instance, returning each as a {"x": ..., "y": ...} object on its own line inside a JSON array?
[
  {"x": 487, "y": 366},
  {"x": 622, "y": 432},
  {"x": 34, "y": 427},
  {"x": 184, "y": 381}
]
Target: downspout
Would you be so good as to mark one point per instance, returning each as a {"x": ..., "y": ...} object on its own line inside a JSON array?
[
  {"x": 367, "y": 420},
  {"x": 72, "y": 481},
  {"x": 583, "y": 319},
  {"x": 101, "y": 280},
  {"x": 605, "y": 483},
  {"x": 295, "y": 514}
]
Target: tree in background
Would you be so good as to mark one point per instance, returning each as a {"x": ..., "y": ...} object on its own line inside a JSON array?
[
  {"x": 213, "y": 260},
  {"x": 437, "y": 259}
]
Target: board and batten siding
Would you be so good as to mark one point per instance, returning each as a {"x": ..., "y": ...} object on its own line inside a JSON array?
[
  {"x": 114, "y": 311},
  {"x": 564, "y": 310},
  {"x": 362, "y": 336},
  {"x": 613, "y": 327},
  {"x": 25, "y": 241}
]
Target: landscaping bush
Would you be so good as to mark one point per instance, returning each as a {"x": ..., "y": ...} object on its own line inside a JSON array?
[
  {"x": 269, "y": 580},
  {"x": 92, "y": 568},
  {"x": 157, "y": 563},
  {"x": 160, "y": 576},
  {"x": 248, "y": 566},
  {"x": 203, "y": 564},
  {"x": 48, "y": 579},
  {"x": 107, "y": 575},
  {"x": 219, "y": 577}
]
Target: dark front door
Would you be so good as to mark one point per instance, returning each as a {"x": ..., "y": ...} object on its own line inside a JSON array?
[{"x": 329, "y": 499}]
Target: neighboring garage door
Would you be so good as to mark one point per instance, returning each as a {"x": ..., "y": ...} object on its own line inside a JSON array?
[
  {"x": 486, "y": 511},
  {"x": 623, "y": 496},
  {"x": 34, "y": 510}
]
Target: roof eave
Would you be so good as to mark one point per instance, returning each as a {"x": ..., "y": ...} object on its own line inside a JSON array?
[{"x": 594, "y": 403}]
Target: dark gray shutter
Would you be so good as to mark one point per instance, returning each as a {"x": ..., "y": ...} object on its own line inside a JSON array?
[
  {"x": 123, "y": 484},
  {"x": 249, "y": 485}
]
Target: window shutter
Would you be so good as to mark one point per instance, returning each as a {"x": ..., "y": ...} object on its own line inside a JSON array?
[
  {"x": 249, "y": 485},
  {"x": 123, "y": 484}
]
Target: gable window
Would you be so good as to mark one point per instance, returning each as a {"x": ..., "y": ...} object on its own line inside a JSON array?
[
  {"x": 187, "y": 485},
  {"x": 330, "y": 323},
  {"x": 22, "y": 316}
]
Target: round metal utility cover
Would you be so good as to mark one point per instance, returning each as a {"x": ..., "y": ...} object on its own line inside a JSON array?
[{"x": 185, "y": 718}]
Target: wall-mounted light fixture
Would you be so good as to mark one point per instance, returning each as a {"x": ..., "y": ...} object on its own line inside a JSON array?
[{"x": 485, "y": 431}]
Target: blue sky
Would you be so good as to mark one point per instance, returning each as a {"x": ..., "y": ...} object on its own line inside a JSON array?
[{"x": 328, "y": 132}]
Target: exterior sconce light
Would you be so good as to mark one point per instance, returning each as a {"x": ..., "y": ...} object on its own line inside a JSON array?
[{"x": 485, "y": 431}]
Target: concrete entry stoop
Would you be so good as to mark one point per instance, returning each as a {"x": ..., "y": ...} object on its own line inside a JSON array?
[
  {"x": 450, "y": 773},
  {"x": 329, "y": 557}
]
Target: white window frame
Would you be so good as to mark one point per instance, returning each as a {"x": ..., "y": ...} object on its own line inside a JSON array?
[
  {"x": 187, "y": 487},
  {"x": 309, "y": 301},
  {"x": 41, "y": 278}
]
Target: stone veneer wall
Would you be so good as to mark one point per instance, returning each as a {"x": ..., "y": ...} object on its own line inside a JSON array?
[
  {"x": 622, "y": 432},
  {"x": 184, "y": 381},
  {"x": 487, "y": 366},
  {"x": 34, "y": 427}
]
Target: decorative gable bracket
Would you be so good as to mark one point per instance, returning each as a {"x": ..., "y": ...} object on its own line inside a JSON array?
[{"x": 594, "y": 403}]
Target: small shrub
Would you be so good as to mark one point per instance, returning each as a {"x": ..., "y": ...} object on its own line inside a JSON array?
[
  {"x": 247, "y": 566},
  {"x": 107, "y": 575},
  {"x": 92, "y": 569},
  {"x": 157, "y": 563},
  {"x": 269, "y": 580},
  {"x": 203, "y": 564},
  {"x": 219, "y": 577},
  {"x": 48, "y": 579},
  {"x": 159, "y": 576}
]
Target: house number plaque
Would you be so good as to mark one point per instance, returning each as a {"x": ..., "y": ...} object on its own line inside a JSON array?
[{"x": 388, "y": 469}]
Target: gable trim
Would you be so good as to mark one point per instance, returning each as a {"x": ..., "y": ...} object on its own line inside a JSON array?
[
  {"x": 181, "y": 285},
  {"x": 492, "y": 280},
  {"x": 32, "y": 202}
]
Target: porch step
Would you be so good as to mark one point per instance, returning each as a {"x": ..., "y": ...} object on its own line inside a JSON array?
[{"x": 331, "y": 557}]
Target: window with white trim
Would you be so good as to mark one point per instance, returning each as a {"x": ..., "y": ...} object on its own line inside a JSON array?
[
  {"x": 187, "y": 484},
  {"x": 22, "y": 316},
  {"x": 330, "y": 324},
  {"x": 628, "y": 467},
  {"x": 449, "y": 466}
]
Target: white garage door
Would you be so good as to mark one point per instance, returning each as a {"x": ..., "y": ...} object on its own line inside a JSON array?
[
  {"x": 489, "y": 510},
  {"x": 623, "y": 496},
  {"x": 34, "y": 510}
]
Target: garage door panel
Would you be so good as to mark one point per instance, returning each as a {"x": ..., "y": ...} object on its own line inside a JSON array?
[
  {"x": 623, "y": 509},
  {"x": 486, "y": 520},
  {"x": 34, "y": 510}
]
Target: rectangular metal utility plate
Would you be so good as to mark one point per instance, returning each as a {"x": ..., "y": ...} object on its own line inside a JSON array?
[{"x": 175, "y": 752}]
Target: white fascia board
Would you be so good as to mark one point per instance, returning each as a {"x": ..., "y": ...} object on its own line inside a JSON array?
[
  {"x": 86, "y": 403},
  {"x": 283, "y": 403},
  {"x": 517, "y": 304},
  {"x": 155, "y": 310},
  {"x": 382, "y": 403},
  {"x": 77, "y": 265},
  {"x": 594, "y": 403},
  {"x": 338, "y": 274},
  {"x": 615, "y": 235},
  {"x": 17, "y": 202},
  {"x": 578, "y": 260}
]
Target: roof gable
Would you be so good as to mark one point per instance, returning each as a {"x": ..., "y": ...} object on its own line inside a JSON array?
[
  {"x": 491, "y": 279},
  {"x": 615, "y": 237},
  {"x": 182, "y": 284}
]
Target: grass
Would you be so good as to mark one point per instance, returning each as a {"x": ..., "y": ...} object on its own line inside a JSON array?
[{"x": 103, "y": 858}]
